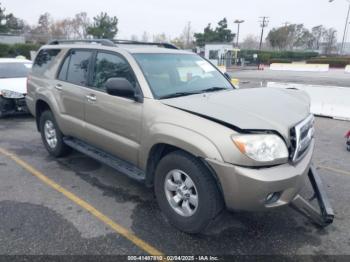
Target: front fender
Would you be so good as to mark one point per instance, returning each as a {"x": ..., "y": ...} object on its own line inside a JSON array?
[{"x": 186, "y": 139}]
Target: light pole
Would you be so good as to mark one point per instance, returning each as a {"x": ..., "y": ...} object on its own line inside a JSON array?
[
  {"x": 346, "y": 27},
  {"x": 238, "y": 22}
]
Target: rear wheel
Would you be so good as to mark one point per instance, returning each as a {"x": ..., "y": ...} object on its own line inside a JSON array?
[
  {"x": 186, "y": 192},
  {"x": 1, "y": 107},
  {"x": 51, "y": 135}
]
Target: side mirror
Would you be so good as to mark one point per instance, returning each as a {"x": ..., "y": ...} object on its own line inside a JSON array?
[
  {"x": 227, "y": 76},
  {"x": 118, "y": 86}
]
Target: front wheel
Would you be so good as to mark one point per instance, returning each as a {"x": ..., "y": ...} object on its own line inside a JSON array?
[
  {"x": 52, "y": 136},
  {"x": 186, "y": 192}
]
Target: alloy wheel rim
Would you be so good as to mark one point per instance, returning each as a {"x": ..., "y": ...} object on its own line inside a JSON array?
[
  {"x": 50, "y": 134},
  {"x": 181, "y": 193}
]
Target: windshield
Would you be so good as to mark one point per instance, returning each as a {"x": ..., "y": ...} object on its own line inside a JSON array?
[
  {"x": 180, "y": 74},
  {"x": 14, "y": 70}
]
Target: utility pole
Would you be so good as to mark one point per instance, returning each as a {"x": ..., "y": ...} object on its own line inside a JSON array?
[
  {"x": 346, "y": 27},
  {"x": 264, "y": 22},
  {"x": 238, "y": 22}
]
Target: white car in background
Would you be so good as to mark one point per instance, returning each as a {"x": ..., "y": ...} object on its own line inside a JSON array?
[{"x": 13, "y": 85}]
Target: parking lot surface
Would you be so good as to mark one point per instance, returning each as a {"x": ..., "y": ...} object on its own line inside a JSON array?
[
  {"x": 254, "y": 78},
  {"x": 36, "y": 218}
]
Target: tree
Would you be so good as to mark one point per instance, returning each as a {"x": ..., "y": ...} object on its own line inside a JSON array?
[
  {"x": 62, "y": 29},
  {"x": 134, "y": 38},
  {"x": 318, "y": 32},
  {"x": 178, "y": 42},
  {"x": 104, "y": 26},
  {"x": 278, "y": 37},
  {"x": 145, "y": 37},
  {"x": 250, "y": 42},
  {"x": 305, "y": 40},
  {"x": 80, "y": 24},
  {"x": 187, "y": 36},
  {"x": 220, "y": 34},
  {"x": 9, "y": 23},
  {"x": 330, "y": 38},
  {"x": 290, "y": 37},
  {"x": 42, "y": 32},
  {"x": 185, "y": 40},
  {"x": 160, "y": 38}
]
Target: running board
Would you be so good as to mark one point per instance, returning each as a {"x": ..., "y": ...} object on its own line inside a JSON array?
[
  {"x": 325, "y": 215},
  {"x": 106, "y": 158}
]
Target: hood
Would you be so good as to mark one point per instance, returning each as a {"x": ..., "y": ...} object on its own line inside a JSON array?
[
  {"x": 249, "y": 109},
  {"x": 14, "y": 84}
]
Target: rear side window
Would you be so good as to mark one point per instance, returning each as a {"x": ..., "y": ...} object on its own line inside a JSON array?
[
  {"x": 78, "y": 67},
  {"x": 44, "y": 60}
]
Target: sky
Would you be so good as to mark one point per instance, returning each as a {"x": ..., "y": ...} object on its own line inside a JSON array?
[{"x": 170, "y": 17}]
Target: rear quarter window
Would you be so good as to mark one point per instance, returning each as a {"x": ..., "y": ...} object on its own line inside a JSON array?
[{"x": 44, "y": 60}]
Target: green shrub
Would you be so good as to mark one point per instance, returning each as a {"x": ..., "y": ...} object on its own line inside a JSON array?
[
  {"x": 268, "y": 56},
  {"x": 17, "y": 50},
  {"x": 335, "y": 62},
  {"x": 4, "y": 50},
  {"x": 22, "y": 49},
  {"x": 281, "y": 60}
]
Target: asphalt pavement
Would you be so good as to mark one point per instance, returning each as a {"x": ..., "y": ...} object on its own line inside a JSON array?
[{"x": 36, "y": 218}]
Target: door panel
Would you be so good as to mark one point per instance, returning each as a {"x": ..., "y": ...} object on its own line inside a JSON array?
[
  {"x": 71, "y": 104},
  {"x": 113, "y": 123},
  {"x": 71, "y": 89}
]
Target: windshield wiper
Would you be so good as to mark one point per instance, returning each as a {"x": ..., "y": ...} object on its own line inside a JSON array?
[
  {"x": 178, "y": 94},
  {"x": 213, "y": 89}
]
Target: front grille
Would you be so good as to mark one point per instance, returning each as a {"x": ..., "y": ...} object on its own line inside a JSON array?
[{"x": 301, "y": 137}]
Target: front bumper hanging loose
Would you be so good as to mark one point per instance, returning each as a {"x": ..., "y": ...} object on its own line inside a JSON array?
[{"x": 325, "y": 215}]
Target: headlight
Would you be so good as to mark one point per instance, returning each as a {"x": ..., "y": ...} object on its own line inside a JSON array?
[
  {"x": 11, "y": 94},
  {"x": 262, "y": 148}
]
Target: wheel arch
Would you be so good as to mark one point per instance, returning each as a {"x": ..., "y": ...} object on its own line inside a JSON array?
[
  {"x": 40, "y": 107},
  {"x": 160, "y": 150}
]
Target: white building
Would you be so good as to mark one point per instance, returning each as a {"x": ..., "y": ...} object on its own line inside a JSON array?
[{"x": 220, "y": 53}]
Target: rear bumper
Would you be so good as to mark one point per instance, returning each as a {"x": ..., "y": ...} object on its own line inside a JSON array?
[
  {"x": 247, "y": 189},
  {"x": 13, "y": 105}
]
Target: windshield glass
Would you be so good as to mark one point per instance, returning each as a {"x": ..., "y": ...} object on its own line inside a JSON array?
[
  {"x": 180, "y": 74},
  {"x": 14, "y": 70}
]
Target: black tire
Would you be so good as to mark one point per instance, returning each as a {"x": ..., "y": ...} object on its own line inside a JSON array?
[
  {"x": 1, "y": 107},
  {"x": 210, "y": 201},
  {"x": 60, "y": 149}
]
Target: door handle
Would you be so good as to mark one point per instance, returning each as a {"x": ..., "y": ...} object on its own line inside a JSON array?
[
  {"x": 58, "y": 87},
  {"x": 91, "y": 98}
]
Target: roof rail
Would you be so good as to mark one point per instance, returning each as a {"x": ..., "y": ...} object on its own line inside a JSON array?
[
  {"x": 113, "y": 42},
  {"x": 105, "y": 42},
  {"x": 132, "y": 42}
]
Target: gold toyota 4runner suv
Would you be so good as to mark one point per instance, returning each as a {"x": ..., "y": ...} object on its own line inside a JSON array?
[{"x": 172, "y": 120}]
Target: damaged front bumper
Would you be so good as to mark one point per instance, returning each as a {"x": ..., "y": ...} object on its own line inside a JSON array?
[
  {"x": 12, "y": 106},
  {"x": 264, "y": 189},
  {"x": 325, "y": 214}
]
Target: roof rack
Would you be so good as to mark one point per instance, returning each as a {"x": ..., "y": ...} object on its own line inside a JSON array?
[
  {"x": 132, "y": 42},
  {"x": 113, "y": 42},
  {"x": 105, "y": 42}
]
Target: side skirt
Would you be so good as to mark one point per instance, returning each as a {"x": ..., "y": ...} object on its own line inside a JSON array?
[{"x": 118, "y": 164}]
